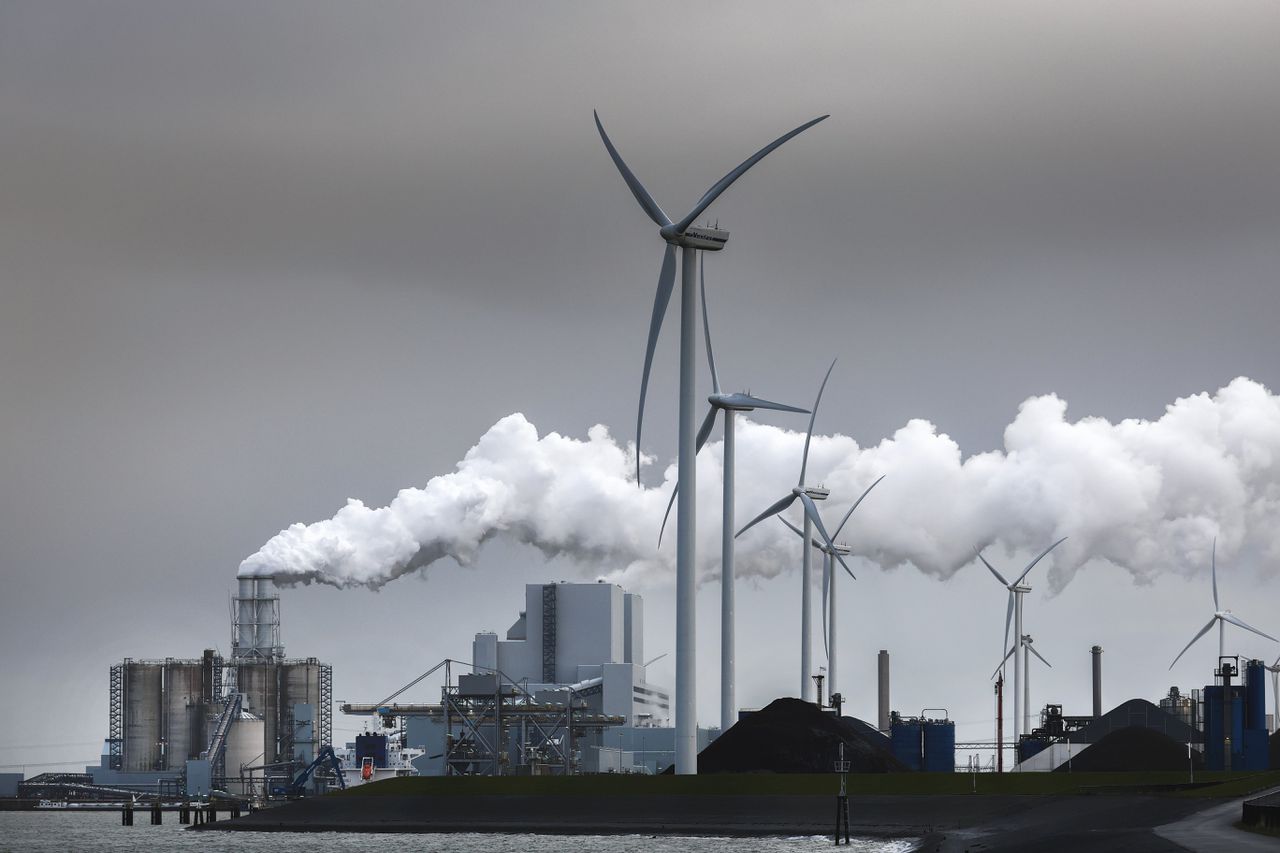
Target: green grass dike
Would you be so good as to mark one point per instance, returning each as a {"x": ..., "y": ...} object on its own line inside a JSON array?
[{"x": 906, "y": 784}]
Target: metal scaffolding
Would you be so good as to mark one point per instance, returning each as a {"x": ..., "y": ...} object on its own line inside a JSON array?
[{"x": 115, "y": 724}]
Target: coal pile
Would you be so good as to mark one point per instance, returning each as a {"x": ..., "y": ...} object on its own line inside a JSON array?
[
  {"x": 794, "y": 736},
  {"x": 1134, "y": 748}
]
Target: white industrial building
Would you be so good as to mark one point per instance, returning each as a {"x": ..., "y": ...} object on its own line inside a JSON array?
[{"x": 589, "y": 636}]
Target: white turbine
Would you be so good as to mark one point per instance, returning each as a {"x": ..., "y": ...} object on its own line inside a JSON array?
[
  {"x": 689, "y": 239},
  {"x": 729, "y": 404},
  {"x": 806, "y": 495},
  {"x": 1221, "y": 617},
  {"x": 1027, "y": 647},
  {"x": 1014, "y": 612},
  {"x": 832, "y": 553}
]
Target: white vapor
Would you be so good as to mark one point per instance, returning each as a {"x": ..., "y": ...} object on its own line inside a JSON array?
[{"x": 1148, "y": 496}]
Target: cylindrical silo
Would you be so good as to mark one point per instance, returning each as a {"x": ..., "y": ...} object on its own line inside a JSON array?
[
  {"x": 143, "y": 707},
  {"x": 260, "y": 685},
  {"x": 183, "y": 692},
  {"x": 244, "y": 749},
  {"x": 300, "y": 685}
]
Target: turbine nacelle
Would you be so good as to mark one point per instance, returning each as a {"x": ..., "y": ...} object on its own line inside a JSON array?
[
  {"x": 702, "y": 237},
  {"x": 817, "y": 493}
]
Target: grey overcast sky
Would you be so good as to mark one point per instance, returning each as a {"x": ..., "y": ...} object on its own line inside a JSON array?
[{"x": 257, "y": 258}]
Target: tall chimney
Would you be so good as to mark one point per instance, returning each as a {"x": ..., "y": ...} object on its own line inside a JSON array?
[
  {"x": 883, "y": 722},
  {"x": 1097, "y": 682}
]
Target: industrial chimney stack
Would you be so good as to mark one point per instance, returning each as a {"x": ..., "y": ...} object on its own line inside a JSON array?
[
  {"x": 1097, "y": 682},
  {"x": 883, "y": 721}
]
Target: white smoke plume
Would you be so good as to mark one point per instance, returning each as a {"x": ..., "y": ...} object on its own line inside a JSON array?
[{"x": 1147, "y": 496}]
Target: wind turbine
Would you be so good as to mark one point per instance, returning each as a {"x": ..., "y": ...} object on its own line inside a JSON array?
[
  {"x": 806, "y": 495},
  {"x": 1220, "y": 616},
  {"x": 729, "y": 404},
  {"x": 831, "y": 553},
  {"x": 1027, "y": 646},
  {"x": 1014, "y": 612},
  {"x": 689, "y": 239}
]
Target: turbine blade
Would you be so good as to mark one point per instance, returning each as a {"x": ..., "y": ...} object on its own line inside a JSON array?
[
  {"x": 747, "y": 401},
  {"x": 794, "y": 529},
  {"x": 708, "y": 423},
  {"x": 637, "y": 189},
  {"x": 666, "y": 283},
  {"x": 999, "y": 576},
  {"x": 773, "y": 510},
  {"x": 804, "y": 461},
  {"x": 1203, "y": 631},
  {"x": 1008, "y": 618},
  {"x": 846, "y": 567},
  {"x": 706, "y": 324},
  {"x": 1003, "y": 660},
  {"x": 1033, "y": 651},
  {"x": 674, "y": 491},
  {"x": 1238, "y": 622},
  {"x": 811, "y": 510},
  {"x": 1215, "y": 574},
  {"x": 844, "y": 520},
  {"x": 724, "y": 183},
  {"x": 1031, "y": 565}
]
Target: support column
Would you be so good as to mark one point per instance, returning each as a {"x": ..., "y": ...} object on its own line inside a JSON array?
[
  {"x": 1017, "y": 669},
  {"x": 806, "y": 617},
  {"x": 728, "y": 702},
  {"x": 686, "y": 520}
]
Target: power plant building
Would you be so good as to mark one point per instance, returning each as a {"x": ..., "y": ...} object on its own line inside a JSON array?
[{"x": 589, "y": 635}]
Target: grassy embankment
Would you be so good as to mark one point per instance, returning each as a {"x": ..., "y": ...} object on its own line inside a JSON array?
[{"x": 1225, "y": 785}]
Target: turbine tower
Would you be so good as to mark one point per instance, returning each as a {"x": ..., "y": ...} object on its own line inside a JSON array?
[
  {"x": 729, "y": 404},
  {"x": 1014, "y": 612},
  {"x": 1028, "y": 649},
  {"x": 806, "y": 495},
  {"x": 832, "y": 553},
  {"x": 1221, "y": 617},
  {"x": 1274, "y": 669},
  {"x": 689, "y": 239}
]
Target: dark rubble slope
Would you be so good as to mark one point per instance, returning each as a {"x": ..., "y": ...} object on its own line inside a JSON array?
[
  {"x": 1133, "y": 748},
  {"x": 794, "y": 736}
]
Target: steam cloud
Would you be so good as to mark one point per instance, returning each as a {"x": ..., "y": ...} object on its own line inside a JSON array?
[{"x": 1147, "y": 496}]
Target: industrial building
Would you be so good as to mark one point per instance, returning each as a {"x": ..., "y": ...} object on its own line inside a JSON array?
[
  {"x": 564, "y": 692},
  {"x": 195, "y": 725}
]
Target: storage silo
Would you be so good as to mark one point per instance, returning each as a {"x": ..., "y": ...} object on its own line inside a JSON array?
[
  {"x": 244, "y": 749},
  {"x": 184, "y": 711},
  {"x": 300, "y": 684},
  {"x": 939, "y": 746},
  {"x": 259, "y": 683},
  {"x": 143, "y": 707},
  {"x": 904, "y": 741}
]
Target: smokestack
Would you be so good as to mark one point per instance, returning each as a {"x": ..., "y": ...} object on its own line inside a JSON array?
[
  {"x": 883, "y": 721},
  {"x": 256, "y": 620},
  {"x": 1097, "y": 681}
]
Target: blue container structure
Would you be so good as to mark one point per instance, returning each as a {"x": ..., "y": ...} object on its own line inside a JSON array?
[
  {"x": 939, "y": 746},
  {"x": 905, "y": 737},
  {"x": 1031, "y": 746},
  {"x": 1241, "y": 716}
]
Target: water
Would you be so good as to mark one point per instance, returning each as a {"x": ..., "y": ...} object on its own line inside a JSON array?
[{"x": 21, "y": 832}]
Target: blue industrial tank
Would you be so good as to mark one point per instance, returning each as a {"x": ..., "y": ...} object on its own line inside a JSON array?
[
  {"x": 904, "y": 742},
  {"x": 939, "y": 746}
]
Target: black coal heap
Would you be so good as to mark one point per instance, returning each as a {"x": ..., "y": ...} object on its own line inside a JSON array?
[
  {"x": 794, "y": 736},
  {"x": 1133, "y": 748}
]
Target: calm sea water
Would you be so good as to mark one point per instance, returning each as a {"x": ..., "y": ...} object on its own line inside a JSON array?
[{"x": 92, "y": 831}]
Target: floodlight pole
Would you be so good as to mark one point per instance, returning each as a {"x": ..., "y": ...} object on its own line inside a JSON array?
[{"x": 686, "y": 734}]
